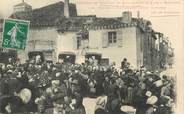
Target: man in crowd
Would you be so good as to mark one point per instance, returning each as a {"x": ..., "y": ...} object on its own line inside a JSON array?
[{"x": 60, "y": 88}]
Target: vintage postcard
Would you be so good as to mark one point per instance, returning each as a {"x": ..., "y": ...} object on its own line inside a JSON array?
[{"x": 91, "y": 56}]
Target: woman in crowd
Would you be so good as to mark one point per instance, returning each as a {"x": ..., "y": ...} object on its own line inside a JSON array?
[{"x": 60, "y": 88}]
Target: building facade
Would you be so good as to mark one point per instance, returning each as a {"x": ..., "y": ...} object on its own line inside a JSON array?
[
  {"x": 109, "y": 39},
  {"x": 43, "y": 28},
  {"x": 41, "y": 40},
  {"x": 57, "y": 32},
  {"x": 22, "y": 7}
]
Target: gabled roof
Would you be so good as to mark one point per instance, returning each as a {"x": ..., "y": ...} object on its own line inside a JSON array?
[
  {"x": 53, "y": 16},
  {"x": 45, "y": 16},
  {"x": 105, "y": 22},
  {"x": 85, "y": 23},
  {"x": 115, "y": 22},
  {"x": 72, "y": 24},
  {"x": 93, "y": 22}
]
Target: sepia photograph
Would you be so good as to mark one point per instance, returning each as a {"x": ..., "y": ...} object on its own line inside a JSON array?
[{"x": 91, "y": 57}]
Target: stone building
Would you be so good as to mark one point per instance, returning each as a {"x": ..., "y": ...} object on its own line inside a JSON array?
[
  {"x": 22, "y": 7},
  {"x": 56, "y": 31},
  {"x": 43, "y": 28},
  {"x": 109, "y": 40}
]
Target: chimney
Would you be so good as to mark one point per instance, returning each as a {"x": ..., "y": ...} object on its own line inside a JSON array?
[
  {"x": 127, "y": 17},
  {"x": 66, "y": 9}
]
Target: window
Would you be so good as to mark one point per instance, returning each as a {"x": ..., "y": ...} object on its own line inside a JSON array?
[
  {"x": 78, "y": 42},
  {"x": 112, "y": 37},
  {"x": 78, "y": 38},
  {"x": 104, "y": 61},
  {"x": 67, "y": 57},
  {"x": 48, "y": 55}
]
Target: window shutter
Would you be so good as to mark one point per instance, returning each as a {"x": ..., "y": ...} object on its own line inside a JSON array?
[
  {"x": 120, "y": 38},
  {"x": 104, "y": 40},
  {"x": 75, "y": 42}
]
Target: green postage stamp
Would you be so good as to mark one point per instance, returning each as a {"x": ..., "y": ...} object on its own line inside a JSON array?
[{"x": 15, "y": 34}]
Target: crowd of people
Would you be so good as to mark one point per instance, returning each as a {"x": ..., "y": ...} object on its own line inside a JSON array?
[{"x": 59, "y": 88}]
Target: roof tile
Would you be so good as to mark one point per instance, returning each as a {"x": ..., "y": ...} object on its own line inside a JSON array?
[{"x": 46, "y": 16}]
